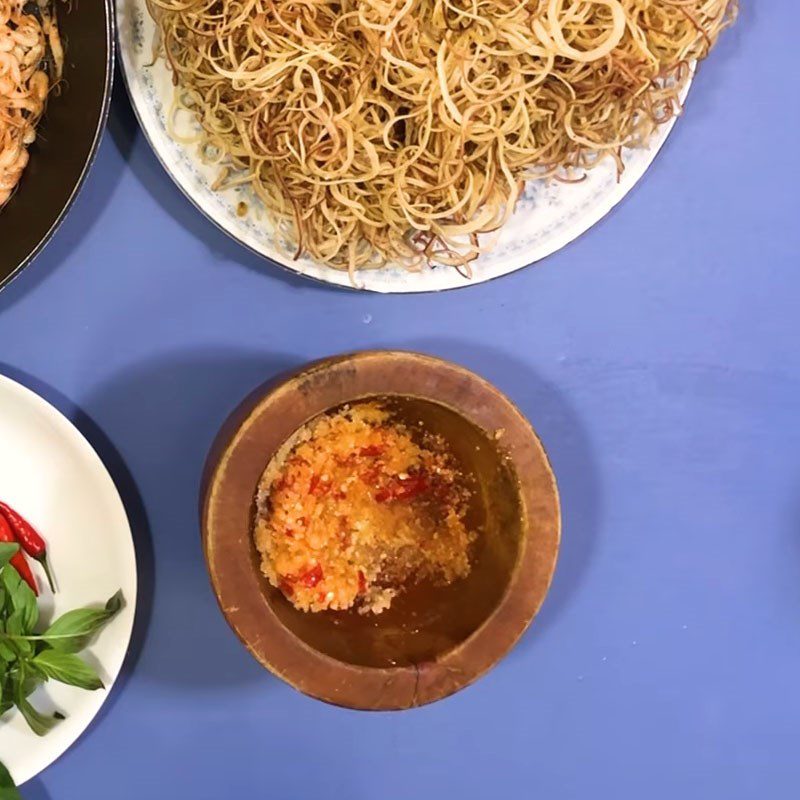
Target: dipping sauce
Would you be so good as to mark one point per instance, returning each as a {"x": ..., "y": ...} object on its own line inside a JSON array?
[{"x": 355, "y": 505}]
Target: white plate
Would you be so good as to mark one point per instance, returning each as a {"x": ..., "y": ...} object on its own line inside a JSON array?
[
  {"x": 549, "y": 216},
  {"x": 52, "y": 476}
]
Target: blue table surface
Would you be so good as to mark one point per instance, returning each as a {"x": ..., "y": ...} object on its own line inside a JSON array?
[{"x": 658, "y": 358}]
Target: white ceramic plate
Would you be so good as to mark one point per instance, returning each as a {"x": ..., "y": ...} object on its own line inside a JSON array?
[
  {"x": 52, "y": 476},
  {"x": 549, "y": 216}
]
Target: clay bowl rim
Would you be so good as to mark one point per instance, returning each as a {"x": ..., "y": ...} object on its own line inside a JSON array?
[{"x": 238, "y": 585}]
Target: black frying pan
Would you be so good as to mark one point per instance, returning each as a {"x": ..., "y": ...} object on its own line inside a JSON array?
[{"x": 68, "y": 135}]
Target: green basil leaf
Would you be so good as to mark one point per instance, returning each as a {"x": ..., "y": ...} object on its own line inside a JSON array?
[
  {"x": 33, "y": 680},
  {"x": 39, "y": 723},
  {"x": 21, "y": 598},
  {"x": 15, "y": 626},
  {"x": 73, "y": 631},
  {"x": 29, "y": 610},
  {"x": 8, "y": 789},
  {"x": 24, "y": 684},
  {"x": 7, "y": 653},
  {"x": 9, "y": 580},
  {"x": 67, "y": 668},
  {"x": 7, "y": 551},
  {"x": 7, "y": 684},
  {"x": 115, "y": 603},
  {"x": 5, "y": 690}
]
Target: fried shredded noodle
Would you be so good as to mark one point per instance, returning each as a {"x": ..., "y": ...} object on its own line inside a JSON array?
[
  {"x": 403, "y": 130},
  {"x": 27, "y": 40}
]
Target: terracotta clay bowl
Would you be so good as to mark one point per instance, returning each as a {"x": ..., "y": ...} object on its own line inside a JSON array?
[{"x": 434, "y": 640}]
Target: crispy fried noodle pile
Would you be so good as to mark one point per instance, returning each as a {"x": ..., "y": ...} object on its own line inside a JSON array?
[{"x": 385, "y": 130}]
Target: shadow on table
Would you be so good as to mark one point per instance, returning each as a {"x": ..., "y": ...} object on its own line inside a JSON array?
[
  {"x": 35, "y": 790},
  {"x": 165, "y": 414},
  {"x": 569, "y": 451},
  {"x": 125, "y": 129}
]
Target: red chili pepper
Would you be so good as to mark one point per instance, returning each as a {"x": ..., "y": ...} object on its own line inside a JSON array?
[
  {"x": 286, "y": 587},
  {"x": 362, "y": 583},
  {"x": 29, "y": 539},
  {"x": 18, "y": 561},
  {"x": 372, "y": 450}
]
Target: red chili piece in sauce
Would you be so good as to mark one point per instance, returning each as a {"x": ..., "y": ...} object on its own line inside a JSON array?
[
  {"x": 407, "y": 489},
  {"x": 383, "y": 495},
  {"x": 372, "y": 450},
  {"x": 318, "y": 487},
  {"x": 312, "y": 577},
  {"x": 281, "y": 484}
]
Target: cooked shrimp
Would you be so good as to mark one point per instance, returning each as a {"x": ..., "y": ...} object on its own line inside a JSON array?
[{"x": 24, "y": 42}]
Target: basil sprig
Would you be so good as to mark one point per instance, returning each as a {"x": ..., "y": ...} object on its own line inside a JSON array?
[{"x": 29, "y": 658}]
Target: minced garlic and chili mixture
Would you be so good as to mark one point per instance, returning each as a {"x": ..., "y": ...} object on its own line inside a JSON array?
[{"x": 354, "y": 506}]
